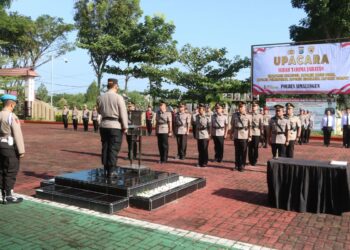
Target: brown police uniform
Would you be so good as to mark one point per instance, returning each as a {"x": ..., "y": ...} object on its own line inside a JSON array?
[
  {"x": 202, "y": 136},
  {"x": 86, "y": 116},
  {"x": 266, "y": 120},
  {"x": 219, "y": 123},
  {"x": 11, "y": 147},
  {"x": 65, "y": 114},
  {"x": 181, "y": 130},
  {"x": 163, "y": 129},
  {"x": 75, "y": 114},
  {"x": 295, "y": 126},
  {"x": 241, "y": 125},
  {"x": 279, "y": 129},
  {"x": 257, "y": 130},
  {"x": 112, "y": 108},
  {"x": 94, "y": 118}
]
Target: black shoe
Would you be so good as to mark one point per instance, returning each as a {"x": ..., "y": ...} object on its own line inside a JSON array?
[{"x": 11, "y": 199}]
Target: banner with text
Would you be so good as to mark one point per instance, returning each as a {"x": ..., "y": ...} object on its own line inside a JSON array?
[{"x": 302, "y": 69}]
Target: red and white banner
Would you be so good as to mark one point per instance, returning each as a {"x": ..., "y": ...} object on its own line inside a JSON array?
[{"x": 302, "y": 69}]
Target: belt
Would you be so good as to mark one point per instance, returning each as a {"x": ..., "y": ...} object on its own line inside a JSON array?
[
  {"x": 280, "y": 133},
  {"x": 109, "y": 119},
  {"x": 240, "y": 128}
]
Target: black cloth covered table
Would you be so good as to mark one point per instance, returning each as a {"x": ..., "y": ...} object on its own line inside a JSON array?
[{"x": 308, "y": 186}]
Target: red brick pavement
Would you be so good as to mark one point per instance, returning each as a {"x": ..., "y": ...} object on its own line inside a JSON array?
[{"x": 233, "y": 205}]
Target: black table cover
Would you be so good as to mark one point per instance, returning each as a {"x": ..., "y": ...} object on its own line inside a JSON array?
[{"x": 308, "y": 186}]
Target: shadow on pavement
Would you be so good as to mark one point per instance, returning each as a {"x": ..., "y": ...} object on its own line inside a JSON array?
[
  {"x": 79, "y": 152},
  {"x": 252, "y": 197},
  {"x": 38, "y": 175}
]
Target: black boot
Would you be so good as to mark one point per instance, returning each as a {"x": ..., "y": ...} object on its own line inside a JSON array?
[
  {"x": 11, "y": 199},
  {"x": 3, "y": 196}
]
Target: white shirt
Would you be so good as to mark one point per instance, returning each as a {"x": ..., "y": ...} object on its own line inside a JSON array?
[
  {"x": 345, "y": 120},
  {"x": 328, "y": 121}
]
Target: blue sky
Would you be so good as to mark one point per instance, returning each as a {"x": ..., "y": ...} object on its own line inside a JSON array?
[{"x": 233, "y": 24}]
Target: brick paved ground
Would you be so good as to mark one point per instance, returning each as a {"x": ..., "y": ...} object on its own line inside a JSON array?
[{"x": 233, "y": 205}]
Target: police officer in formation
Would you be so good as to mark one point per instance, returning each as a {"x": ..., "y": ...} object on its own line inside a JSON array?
[
  {"x": 346, "y": 127},
  {"x": 202, "y": 135},
  {"x": 131, "y": 138},
  {"x": 257, "y": 131},
  {"x": 279, "y": 132},
  {"x": 295, "y": 129},
  {"x": 327, "y": 125},
  {"x": 241, "y": 124},
  {"x": 193, "y": 121},
  {"x": 114, "y": 123},
  {"x": 219, "y": 128},
  {"x": 94, "y": 118},
  {"x": 163, "y": 131},
  {"x": 75, "y": 114},
  {"x": 86, "y": 116},
  {"x": 11, "y": 149},
  {"x": 65, "y": 114},
  {"x": 149, "y": 120},
  {"x": 182, "y": 129},
  {"x": 266, "y": 121}
]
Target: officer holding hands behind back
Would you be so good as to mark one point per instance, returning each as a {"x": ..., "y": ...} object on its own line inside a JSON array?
[
  {"x": 114, "y": 123},
  {"x": 11, "y": 149}
]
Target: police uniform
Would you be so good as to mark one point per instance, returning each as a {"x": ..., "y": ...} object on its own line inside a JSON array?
[
  {"x": 193, "y": 121},
  {"x": 307, "y": 128},
  {"x": 241, "y": 133},
  {"x": 279, "y": 129},
  {"x": 202, "y": 136},
  {"x": 94, "y": 118},
  {"x": 163, "y": 130},
  {"x": 86, "y": 115},
  {"x": 65, "y": 114},
  {"x": 219, "y": 123},
  {"x": 112, "y": 108},
  {"x": 11, "y": 148},
  {"x": 181, "y": 130},
  {"x": 149, "y": 119},
  {"x": 302, "y": 118},
  {"x": 253, "y": 145},
  {"x": 75, "y": 114},
  {"x": 266, "y": 120},
  {"x": 346, "y": 128},
  {"x": 294, "y": 132}
]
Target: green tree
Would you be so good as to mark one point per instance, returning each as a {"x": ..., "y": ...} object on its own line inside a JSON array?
[
  {"x": 325, "y": 19},
  {"x": 92, "y": 92},
  {"x": 42, "y": 93},
  {"x": 31, "y": 43},
  {"x": 104, "y": 29},
  {"x": 208, "y": 73},
  {"x": 61, "y": 103}
]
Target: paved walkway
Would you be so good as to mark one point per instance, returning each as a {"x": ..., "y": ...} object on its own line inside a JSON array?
[
  {"x": 32, "y": 225},
  {"x": 233, "y": 205}
]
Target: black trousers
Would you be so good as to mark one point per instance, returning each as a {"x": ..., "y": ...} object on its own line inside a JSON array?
[
  {"x": 194, "y": 130},
  {"x": 163, "y": 146},
  {"x": 95, "y": 122},
  {"x": 9, "y": 166},
  {"x": 307, "y": 135},
  {"x": 346, "y": 136},
  {"x": 302, "y": 135},
  {"x": 266, "y": 136},
  {"x": 327, "y": 131},
  {"x": 278, "y": 150},
  {"x": 290, "y": 149},
  {"x": 253, "y": 149},
  {"x": 111, "y": 139},
  {"x": 240, "y": 152},
  {"x": 149, "y": 126},
  {"x": 218, "y": 147},
  {"x": 181, "y": 145},
  {"x": 132, "y": 146},
  {"x": 202, "y": 146},
  {"x": 75, "y": 124},
  {"x": 65, "y": 121},
  {"x": 86, "y": 124}
]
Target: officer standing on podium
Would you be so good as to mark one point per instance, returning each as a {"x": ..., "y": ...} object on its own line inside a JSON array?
[
  {"x": 11, "y": 149},
  {"x": 114, "y": 123},
  {"x": 295, "y": 129},
  {"x": 279, "y": 133}
]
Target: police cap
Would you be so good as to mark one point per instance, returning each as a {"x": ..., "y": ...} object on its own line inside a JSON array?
[
  {"x": 201, "y": 105},
  {"x": 8, "y": 97},
  {"x": 241, "y": 103},
  {"x": 289, "y": 105},
  {"x": 278, "y": 106},
  {"x": 255, "y": 103}
]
